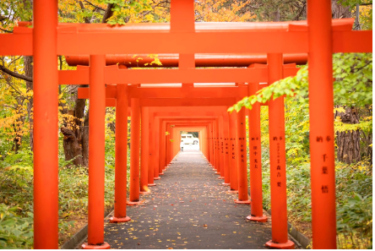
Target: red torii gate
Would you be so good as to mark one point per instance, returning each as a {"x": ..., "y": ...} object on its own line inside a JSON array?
[{"x": 44, "y": 42}]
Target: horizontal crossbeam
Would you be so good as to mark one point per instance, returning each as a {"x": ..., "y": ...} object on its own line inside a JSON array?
[
  {"x": 163, "y": 102},
  {"x": 195, "y": 92},
  {"x": 172, "y": 60},
  {"x": 113, "y": 75},
  {"x": 186, "y": 42}
]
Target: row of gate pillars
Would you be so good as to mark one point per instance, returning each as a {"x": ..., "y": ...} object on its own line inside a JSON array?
[
  {"x": 318, "y": 38},
  {"x": 226, "y": 151},
  {"x": 229, "y": 161}
]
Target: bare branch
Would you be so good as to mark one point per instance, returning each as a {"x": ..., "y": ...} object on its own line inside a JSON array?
[
  {"x": 7, "y": 31},
  {"x": 300, "y": 12},
  {"x": 14, "y": 88},
  {"x": 15, "y": 74},
  {"x": 108, "y": 12},
  {"x": 99, "y": 8},
  {"x": 9, "y": 106}
]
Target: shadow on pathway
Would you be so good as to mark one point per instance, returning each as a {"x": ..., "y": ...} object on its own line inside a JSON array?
[{"x": 189, "y": 208}]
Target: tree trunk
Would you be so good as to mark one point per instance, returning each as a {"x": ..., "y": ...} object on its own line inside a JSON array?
[
  {"x": 28, "y": 67},
  {"x": 72, "y": 149},
  {"x": 348, "y": 147},
  {"x": 339, "y": 11},
  {"x": 17, "y": 126},
  {"x": 76, "y": 142},
  {"x": 108, "y": 12},
  {"x": 73, "y": 132},
  {"x": 85, "y": 141},
  {"x": 111, "y": 125}
]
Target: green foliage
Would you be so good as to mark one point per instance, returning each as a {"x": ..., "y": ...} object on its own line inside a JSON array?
[
  {"x": 353, "y": 182},
  {"x": 353, "y": 74},
  {"x": 124, "y": 10},
  {"x": 353, "y": 85},
  {"x": 266, "y": 9},
  {"x": 15, "y": 232},
  {"x": 365, "y": 11},
  {"x": 353, "y": 193},
  {"x": 16, "y": 186},
  {"x": 13, "y": 10}
]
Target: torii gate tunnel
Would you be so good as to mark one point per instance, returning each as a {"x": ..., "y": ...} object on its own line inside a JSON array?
[{"x": 263, "y": 47}]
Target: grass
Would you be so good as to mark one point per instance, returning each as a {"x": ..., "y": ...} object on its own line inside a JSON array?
[
  {"x": 16, "y": 197},
  {"x": 353, "y": 200}
]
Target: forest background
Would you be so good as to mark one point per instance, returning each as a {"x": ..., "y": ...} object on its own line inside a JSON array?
[{"x": 353, "y": 119}]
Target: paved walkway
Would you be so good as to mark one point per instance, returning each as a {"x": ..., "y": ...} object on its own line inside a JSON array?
[{"x": 189, "y": 208}]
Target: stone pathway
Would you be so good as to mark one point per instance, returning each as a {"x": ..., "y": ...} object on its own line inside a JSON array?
[{"x": 189, "y": 208}]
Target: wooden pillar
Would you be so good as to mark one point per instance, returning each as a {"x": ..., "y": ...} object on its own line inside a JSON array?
[
  {"x": 170, "y": 143},
  {"x": 226, "y": 149},
  {"x": 233, "y": 152},
  {"x": 121, "y": 153},
  {"x": 202, "y": 142},
  {"x": 221, "y": 148},
  {"x": 144, "y": 150},
  {"x": 277, "y": 159},
  {"x": 217, "y": 147},
  {"x": 151, "y": 150},
  {"x": 45, "y": 125},
  {"x": 243, "y": 197},
  {"x": 166, "y": 144},
  {"x": 162, "y": 146},
  {"x": 255, "y": 152},
  {"x": 134, "y": 153},
  {"x": 212, "y": 146},
  {"x": 208, "y": 143},
  {"x": 157, "y": 147},
  {"x": 323, "y": 186},
  {"x": 96, "y": 155}
]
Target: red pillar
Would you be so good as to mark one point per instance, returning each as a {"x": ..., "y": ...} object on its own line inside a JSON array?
[
  {"x": 144, "y": 150},
  {"x": 134, "y": 153},
  {"x": 213, "y": 161},
  {"x": 162, "y": 146},
  {"x": 151, "y": 150},
  {"x": 121, "y": 153},
  {"x": 233, "y": 152},
  {"x": 255, "y": 152},
  {"x": 243, "y": 197},
  {"x": 96, "y": 155},
  {"x": 212, "y": 145},
  {"x": 208, "y": 143},
  {"x": 226, "y": 149},
  {"x": 221, "y": 148},
  {"x": 217, "y": 147},
  {"x": 170, "y": 143},
  {"x": 323, "y": 187},
  {"x": 45, "y": 125},
  {"x": 277, "y": 160},
  {"x": 212, "y": 157},
  {"x": 167, "y": 149},
  {"x": 157, "y": 148},
  {"x": 208, "y": 131}
]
